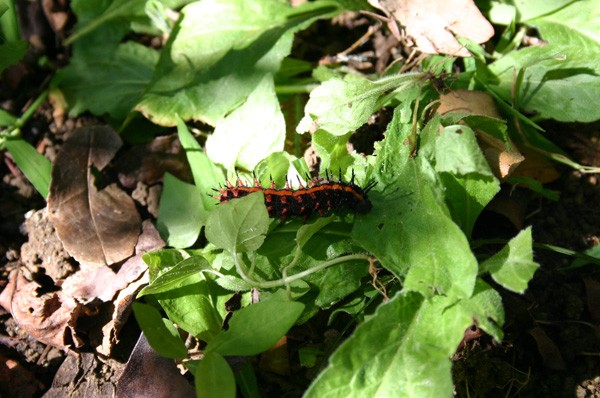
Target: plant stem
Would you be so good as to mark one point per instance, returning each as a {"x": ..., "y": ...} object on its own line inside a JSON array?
[{"x": 289, "y": 279}]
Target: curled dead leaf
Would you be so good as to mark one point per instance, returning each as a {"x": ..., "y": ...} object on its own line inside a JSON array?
[
  {"x": 97, "y": 226},
  {"x": 48, "y": 317},
  {"x": 434, "y": 23}
]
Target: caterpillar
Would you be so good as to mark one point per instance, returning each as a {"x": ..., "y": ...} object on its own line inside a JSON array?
[{"x": 320, "y": 196}]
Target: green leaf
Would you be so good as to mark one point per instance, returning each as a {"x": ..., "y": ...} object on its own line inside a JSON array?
[
  {"x": 239, "y": 225},
  {"x": 12, "y": 52},
  {"x": 469, "y": 183},
  {"x": 404, "y": 349},
  {"x": 191, "y": 306},
  {"x": 173, "y": 277},
  {"x": 513, "y": 266},
  {"x": 574, "y": 25},
  {"x": 560, "y": 81},
  {"x": 251, "y": 132},
  {"x": 160, "y": 332},
  {"x": 180, "y": 213},
  {"x": 34, "y": 165},
  {"x": 7, "y": 119},
  {"x": 108, "y": 81},
  {"x": 343, "y": 105},
  {"x": 214, "y": 378},
  {"x": 207, "y": 175},
  {"x": 457, "y": 152},
  {"x": 409, "y": 228},
  {"x": 198, "y": 75},
  {"x": 117, "y": 9},
  {"x": 160, "y": 261},
  {"x": 256, "y": 328},
  {"x": 333, "y": 150}
]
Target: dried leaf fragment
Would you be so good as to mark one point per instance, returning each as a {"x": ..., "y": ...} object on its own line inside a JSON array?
[
  {"x": 97, "y": 227},
  {"x": 48, "y": 317},
  {"x": 432, "y": 23}
]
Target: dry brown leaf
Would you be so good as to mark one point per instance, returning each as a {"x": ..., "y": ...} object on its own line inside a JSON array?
[
  {"x": 433, "y": 24},
  {"x": 145, "y": 364},
  {"x": 502, "y": 161},
  {"x": 547, "y": 348},
  {"x": 537, "y": 167},
  {"x": 512, "y": 206},
  {"x": 48, "y": 317},
  {"x": 97, "y": 227}
]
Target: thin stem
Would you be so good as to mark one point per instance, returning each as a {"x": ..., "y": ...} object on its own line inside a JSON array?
[
  {"x": 29, "y": 112},
  {"x": 289, "y": 279}
]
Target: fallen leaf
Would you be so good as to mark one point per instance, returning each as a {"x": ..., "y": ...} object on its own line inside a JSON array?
[
  {"x": 97, "y": 227},
  {"x": 433, "y": 23},
  {"x": 592, "y": 294},
  {"x": 512, "y": 205},
  {"x": 84, "y": 375},
  {"x": 47, "y": 317},
  {"x": 549, "y": 351},
  {"x": 145, "y": 364},
  {"x": 537, "y": 167}
]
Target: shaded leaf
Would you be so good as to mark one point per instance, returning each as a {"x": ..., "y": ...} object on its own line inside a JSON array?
[
  {"x": 97, "y": 227},
  {"x": 214, "y": 377},
  {"x": 145, "y": 364},
  {"x": 160, "y": 332},
  {"x": 255, "y": 328}
]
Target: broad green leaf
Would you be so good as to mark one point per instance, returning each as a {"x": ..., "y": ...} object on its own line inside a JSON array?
[
  {"x": 34, "y": 165},
  {"x": 180, "y": 213},
  {"x": 513, "y": 266},
  {"x": 274, "y": 168},
  {"x": 503, "y": 12},
  {"x": 173, "y": 277},
  {"x": 109, "y": 81},
  {"x": 467, "y": 196},
  {"x": 160, "y": 261},
  {"x": 239, "y": 225},
  {"x": 251, "y": 132},
  {"x": 160, "y": 332},
  {"x": 198, "y": 76},
  {"x": 409, "y": 228},
  {"x": 207, "y": 176},
  {"x": 11, "y": 52},
  {"x": 575, "y": 25},
  {"x": 124, "y": 9},
  {"x": 214, "y": 378},
  {"x": 343, "y": 105},
  {"x": 457, "y": 152},
  {"x": 246, "y": 381},
  {"x": 333, "y": 150},
  {"x": 256, "y": 328},
  {"x": 559, "y": 82},
  {"x": 466, "y": 175},
  {"x": 404, "y": 350},
  {"x": 191, "y": 306}
]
